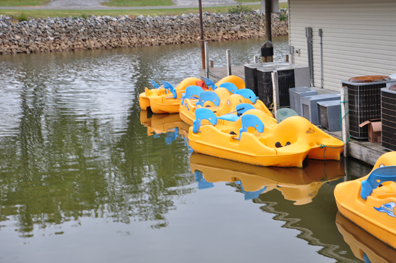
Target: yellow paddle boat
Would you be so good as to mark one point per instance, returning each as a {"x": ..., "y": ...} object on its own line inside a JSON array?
[
  {"x": 166, "y": 98},
  {"x": 171, "y": 124},
  {"x": 297, "y": 185},
  {"x": 284, "y": 144},
  {"x": 363, "y": 245},
  {"x": 226, "y": 101},
  {"x": 370, "y": 201}
]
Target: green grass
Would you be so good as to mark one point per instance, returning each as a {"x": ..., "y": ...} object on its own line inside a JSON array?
[
  {"x": 23, "y": 2},
  {"x": 126, "y": 3},
  {"x": 85, "y": 13},
  {"x": 145, "y": 12}
]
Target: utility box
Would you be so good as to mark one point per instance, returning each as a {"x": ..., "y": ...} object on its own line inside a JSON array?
[
  {"x": 388, "y": 112},
  {"x": 364, "y": 101},
  {"x": 296, "y": 93},
  {"x": 309, "y": 107},
  {"x": 329, "y": 115},
  {"x": 374, "y": 129}
]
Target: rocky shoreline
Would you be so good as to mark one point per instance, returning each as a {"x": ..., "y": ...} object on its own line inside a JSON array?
[{"x": 65, "y": 34}]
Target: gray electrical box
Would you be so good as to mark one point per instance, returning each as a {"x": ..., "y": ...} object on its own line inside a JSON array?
[
  {"x": 309, "y": 108},
  {"x": 296, "y": 93},
  {"x": 329, "y": 115}
]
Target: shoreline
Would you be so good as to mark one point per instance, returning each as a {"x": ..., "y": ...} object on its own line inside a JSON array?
[{"x": 71, "y": 34}]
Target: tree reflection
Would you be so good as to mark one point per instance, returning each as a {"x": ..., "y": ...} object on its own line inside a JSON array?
[{"x": 63, "y": 166}]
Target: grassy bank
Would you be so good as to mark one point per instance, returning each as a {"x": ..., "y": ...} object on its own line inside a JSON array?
[
  {"x": 84, "y": 13},
  {"x": 23, "y": 2},
  {"x": 128, "y": 3}
]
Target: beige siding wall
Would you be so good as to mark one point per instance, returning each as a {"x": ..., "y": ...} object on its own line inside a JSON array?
[{"x": 359, "y": 37}]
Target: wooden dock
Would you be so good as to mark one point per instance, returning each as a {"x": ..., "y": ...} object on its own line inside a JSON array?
[{"x": 364, "y": 151}]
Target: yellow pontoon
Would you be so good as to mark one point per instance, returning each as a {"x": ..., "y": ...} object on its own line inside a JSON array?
[
  {"x": 370, "y": 201},
  {"x": 256, "y": 138}
]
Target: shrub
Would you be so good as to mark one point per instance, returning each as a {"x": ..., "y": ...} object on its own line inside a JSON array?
[
  {"x": 22, "y": 17},
  {"x": 239, "y": 9}
]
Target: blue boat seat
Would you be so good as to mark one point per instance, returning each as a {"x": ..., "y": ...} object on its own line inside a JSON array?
[
  {"x": 248, "y": 94},
  {"x": 191, "y": 91},
  {"x": 240, "y": 109},
  {"x": 229, "y": 86},
  {"x": 210, "y": 84},
  {"x": 377, "y": 177},
  {"x": 208, "y": 96},
  {"x": 243, "y": 107},
  {"x": 229, "y": 117},
  {"x": 155, "y": 85},
  {"x": 284, "y": 113},
  {"x": 169, "y": 87},
  {"x": 250, "y": 121},
  {"x": 203, "y": 114}
]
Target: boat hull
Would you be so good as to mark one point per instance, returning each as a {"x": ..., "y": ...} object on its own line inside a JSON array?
[{"x": 364, "y": 213}]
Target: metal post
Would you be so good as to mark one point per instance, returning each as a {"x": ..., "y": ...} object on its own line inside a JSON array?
[
  {"x": 291, "y": 52},
  {"x": 202, "y": 34},
  {"x": 268, "y": 8},
  {"x": 228, "y": 54},
  {"x": 275, "y": 90},
  {"x": 345, "y": 118},
  {"x": 256, "y": 59},
  {"x": 207, "y": 59},
  {"x": 308, "y": 34},
  {"x": 321, "y": 56}
]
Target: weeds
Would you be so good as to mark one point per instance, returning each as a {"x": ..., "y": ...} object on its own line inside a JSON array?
[
  {"x": 240, "y": 9},
  {"x": 22, "y": 17}
]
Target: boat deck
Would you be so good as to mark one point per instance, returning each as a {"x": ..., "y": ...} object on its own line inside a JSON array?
[{"x": 361, "y": 150}]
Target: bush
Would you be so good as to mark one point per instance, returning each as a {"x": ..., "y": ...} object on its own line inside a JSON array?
[
  {"x": 282, "y": 17},
  {"x": 22, "y": 17},
  {"x": 84, "y": 16},
  {"x": 239, "y": 9}
]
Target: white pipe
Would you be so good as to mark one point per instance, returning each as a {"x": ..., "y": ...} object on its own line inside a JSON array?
[{"x": 275, "y": 90}]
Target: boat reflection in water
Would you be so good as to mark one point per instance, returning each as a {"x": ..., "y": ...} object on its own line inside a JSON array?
[
  {"x": 157, "y": 124},
  {"x": 295, "y": 184},
  {"x": 363, "y": 245}
]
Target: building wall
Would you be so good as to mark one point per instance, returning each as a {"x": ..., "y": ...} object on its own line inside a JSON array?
[{"x": 359, "y": 37}]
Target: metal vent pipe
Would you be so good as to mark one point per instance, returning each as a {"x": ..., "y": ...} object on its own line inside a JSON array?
[{"x": 308, "y": 34}]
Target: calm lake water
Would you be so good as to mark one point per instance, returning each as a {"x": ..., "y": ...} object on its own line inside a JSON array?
[{"x": 86, "y": 177}]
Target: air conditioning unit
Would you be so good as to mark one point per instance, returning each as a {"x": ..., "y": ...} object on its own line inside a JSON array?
[
  {"x": 251, "y": 77},
  {"x": 296, "y": 93},
  {"x": 388, "y": 113},
  {"x": 289, "y": 76},
  {"x": 364, "y": 100},
  {"x": 309, "y": 108},
  {"x": 329, "y": 115}
]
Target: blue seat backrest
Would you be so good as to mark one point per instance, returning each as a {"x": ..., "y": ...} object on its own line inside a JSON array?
[
  {"x": 169, "y": 87},
  {"x": 247, "y": 94},
  {"x": 243, "y": 107},
  {"x": 250, "y": 121},
  {"x": 229, "y": 86},
  {"x": 284, "y": 113},
  {"x": 377, "y": 177},
  {"x": 208, "y": 96},
  {"x": 203, "y": 114},
  {"x": 210, "y": 84},
  {"x": 155, "y": 85},
  {"x": 191, "y": 91}
]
